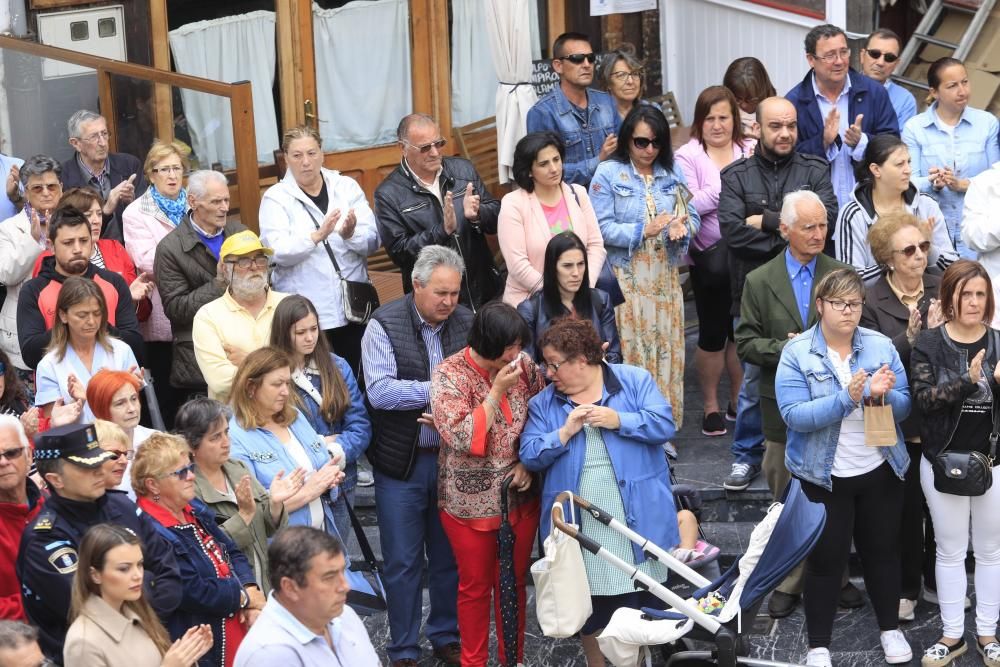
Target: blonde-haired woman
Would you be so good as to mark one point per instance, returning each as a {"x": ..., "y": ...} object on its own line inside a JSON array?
[
  {"x": 145, "y": 222},
  {"x": 80, "y": 346},
  {"x": 310, "y": 218},
  {"x": 111, "y": 623}
]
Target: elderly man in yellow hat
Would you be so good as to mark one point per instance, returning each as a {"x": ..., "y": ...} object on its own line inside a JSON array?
[{"x": 238, "y": 322}]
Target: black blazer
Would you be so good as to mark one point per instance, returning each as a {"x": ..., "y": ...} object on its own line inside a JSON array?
[
  {"x": 120, "y": 167},
  {"x": 886, "y": 314}
]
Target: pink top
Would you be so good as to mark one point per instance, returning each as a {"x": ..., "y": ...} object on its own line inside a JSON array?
[
  {"x": 705, "y": 182},
  {"x": 558, "y": 217},
  {"x": 524, "y": 230}
]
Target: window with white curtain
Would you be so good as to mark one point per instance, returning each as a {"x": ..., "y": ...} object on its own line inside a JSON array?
[
  {"x": 230, "y": 49},
  {"x": 363, "y": 83},
  {"x": 473, "y": 76}
]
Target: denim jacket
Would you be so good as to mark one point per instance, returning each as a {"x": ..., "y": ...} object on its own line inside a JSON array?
[
  {"x": 265, "y": 455},
  {"x": 554, "y": 113},
  {"x": 635, "y": 449},
  {"x": 618, "y": 195},
  {"x": 813, "y": 403}
]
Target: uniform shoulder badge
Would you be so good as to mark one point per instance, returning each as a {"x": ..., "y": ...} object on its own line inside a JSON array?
[
  {"x": 45, "y": 520},
  {"x": 64, "y": 560}
]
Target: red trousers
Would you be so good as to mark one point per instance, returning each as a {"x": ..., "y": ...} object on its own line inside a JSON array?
[{"x": 478, "y": 577}]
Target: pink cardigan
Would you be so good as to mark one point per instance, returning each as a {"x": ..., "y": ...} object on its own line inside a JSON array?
[
  {"x": 523, "y": 233},
  {"x": 704, "y": 180}
]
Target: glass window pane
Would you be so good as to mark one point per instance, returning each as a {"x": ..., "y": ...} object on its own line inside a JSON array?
[{"x": 107, "y": 27}]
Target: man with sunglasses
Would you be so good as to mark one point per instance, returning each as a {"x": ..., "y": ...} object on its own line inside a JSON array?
[
  {"x": 20, "y": 502},
  {"x": 229, "y": 328},
  {"x": 838, "y": 108},
  {"x": 431, "y": 199},
  {"x": 584, "y": 118},
  {"x": 70, "y": 460},
  {"x": 879, "y": 60}
]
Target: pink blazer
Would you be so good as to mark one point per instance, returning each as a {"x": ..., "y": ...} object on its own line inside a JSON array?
[{"x": 523, "y": 233}]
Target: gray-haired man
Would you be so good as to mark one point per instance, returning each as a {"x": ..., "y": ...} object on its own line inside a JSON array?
[
  {"x": 19, "y": 645},
  {"x": 405, "y": 340},
  {"x": 117, "y": 176}
]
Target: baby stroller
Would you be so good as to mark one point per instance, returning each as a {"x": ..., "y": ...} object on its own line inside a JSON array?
[{"x": 714, "y": 613}]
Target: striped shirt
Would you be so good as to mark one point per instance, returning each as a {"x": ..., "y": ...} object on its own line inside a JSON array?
[{"x": 388, "y": 392}]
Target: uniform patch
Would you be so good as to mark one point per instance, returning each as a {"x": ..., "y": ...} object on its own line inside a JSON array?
[
  {"x": 43, "y": 523},
  {"x": 64, "y": 560}
]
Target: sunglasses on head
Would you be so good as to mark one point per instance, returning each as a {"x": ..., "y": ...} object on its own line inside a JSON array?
[
  {"x": 642, "y": 143},
  {"x": 578, "y": 58},
  {"x": 876, "y": 54},
  {"x": 911, "y": 250}
]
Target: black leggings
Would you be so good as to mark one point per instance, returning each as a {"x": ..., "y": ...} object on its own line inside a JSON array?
[
  {"x": 346, "y": 342},
  {"x": 868, "y": 508},
  {"x": 712, "y": 302},
  {"x": 916, "y": 540}
]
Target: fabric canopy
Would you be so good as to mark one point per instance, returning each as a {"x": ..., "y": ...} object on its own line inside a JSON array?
[{"x": 509, "y": 27}]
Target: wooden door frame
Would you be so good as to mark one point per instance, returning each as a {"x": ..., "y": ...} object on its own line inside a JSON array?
[{"x": 296, "y": 63}]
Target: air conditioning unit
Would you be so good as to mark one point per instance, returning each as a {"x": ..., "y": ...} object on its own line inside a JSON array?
[{"x": 99, "y": 31}]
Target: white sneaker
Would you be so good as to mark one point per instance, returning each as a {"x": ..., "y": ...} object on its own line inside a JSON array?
[
  {"x": 906, "y": 609},
  {"x": 896, "y": 648},
  {"x": 931, "y": 596},
  {"x": 365, "y": 478},
  {"x": 818, "y": 657}
]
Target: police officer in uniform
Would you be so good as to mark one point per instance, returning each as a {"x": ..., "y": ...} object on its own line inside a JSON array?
[{"x": 69, "y": 459}]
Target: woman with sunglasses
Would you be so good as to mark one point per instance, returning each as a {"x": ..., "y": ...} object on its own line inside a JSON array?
[
  {"x": 311, "y": 218},
  {"x": 950, "y": 143},
  {"x": 824, "y": 376},
  {"x": 955, "y": 376},
  {"x": 623, "y": 79},
  {"x": 542, "y": 206},
  {"x": 900, "y": 304},
  {"x": 220, "y": 590},
  {"x": 110, "y": 622},
  {"x": 635, "y": 195},
  {"x": 884, "y": 187},
  {"x": 112, "y": 438},
  {"x": 145, "y": 222}
]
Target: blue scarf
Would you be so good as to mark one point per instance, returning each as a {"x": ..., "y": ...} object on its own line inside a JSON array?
[{"x": 174, "y": 209}]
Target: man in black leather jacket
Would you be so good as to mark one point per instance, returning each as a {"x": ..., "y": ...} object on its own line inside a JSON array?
[{"x": 430, "y": 199}]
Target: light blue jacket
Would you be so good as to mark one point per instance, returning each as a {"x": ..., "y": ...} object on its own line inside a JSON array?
[
  {"x": 618, "y": 195},
  {"x": 635, "y": 449},
  {"x": 555, "y": 113},
  {"x": 813, "y": 403},
  {"x": 265, "y": 455},
  {"x": 354, "y": 429},
  {"x": 972, "y": 150}
]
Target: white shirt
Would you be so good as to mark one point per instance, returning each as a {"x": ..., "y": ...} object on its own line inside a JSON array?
[
  {"x": 853, "y": 457},
  {"x": 298, "y": 452}
]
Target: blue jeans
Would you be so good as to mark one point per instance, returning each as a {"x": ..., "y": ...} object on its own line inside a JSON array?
[
  {"x": 748, "y": 434},
  {"x": 409, "y": 529}
]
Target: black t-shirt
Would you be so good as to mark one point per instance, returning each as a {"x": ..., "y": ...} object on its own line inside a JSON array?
[
  {"x": 322, "y": 200},
  {"x": 976, "y": 421}
]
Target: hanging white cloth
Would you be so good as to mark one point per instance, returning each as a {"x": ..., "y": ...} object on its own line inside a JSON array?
[
  {"x": 509, "y": 27},
  {"x": 473, "y": 78},
  {"x": 230, "y": 49},
  {"x": 363, "y": 82}
]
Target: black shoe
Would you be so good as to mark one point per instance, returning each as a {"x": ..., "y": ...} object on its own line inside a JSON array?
[
  {"x": 782, "y": 604},
  {"x": 850, "y": 597},
  {"x": 731, "y": 413},
  {"x": 449, "y": 654},
  {"x": 713, "y": 424}
]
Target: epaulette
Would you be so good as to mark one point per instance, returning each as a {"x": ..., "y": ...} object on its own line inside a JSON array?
[{"x": 45, "y": 520}]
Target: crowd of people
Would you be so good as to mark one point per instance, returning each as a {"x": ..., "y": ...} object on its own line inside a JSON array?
[{"x": 840, "y": 252}]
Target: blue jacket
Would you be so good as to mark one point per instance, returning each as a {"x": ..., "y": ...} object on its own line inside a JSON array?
[
  {"x": 813, "y": 403},
  {"x": 868, "y": 97},
  {"x": 554, "y": 113},
  {"x": 354, "y": 428},
  {"x": 635, "y": 450},
  {"x": 207, "y": 598},
  {"x": 265, "y": 456},
  {"x": 618, "y": 195}
]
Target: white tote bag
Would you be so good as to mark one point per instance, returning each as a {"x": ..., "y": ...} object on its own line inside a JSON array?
[{"x": 562, "y": 592}]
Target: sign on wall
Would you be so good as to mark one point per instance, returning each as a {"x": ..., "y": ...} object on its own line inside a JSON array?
[{"x": 605, "y": 7}]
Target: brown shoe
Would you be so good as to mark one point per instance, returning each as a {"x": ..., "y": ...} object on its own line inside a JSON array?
[
  {"x": 404, "y": 662},
  {"x": 449, "y": 654}
]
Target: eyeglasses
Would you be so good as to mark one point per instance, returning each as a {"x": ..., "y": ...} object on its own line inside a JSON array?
[
  {"x": 622, "y": 77},
  {"x": 841, "y": 306},
  {"x": 876, "y": 54},
  {"x": 911, "y": 250},
  {"x": 97, "y": 136},
  {"x": 258, "y": 262},
  {"x": 169, "y": 169},
  {"x": 426, "y": 148},
  {"x": 117, "y": 454},
  {"x": 642, "y": 143},
  {"x": 42, "y": 187},
  {"x": 578, "y": 58},
  {"x": 12, "y": 454},
  {"x": 834, "y": 56},
  {"x": 552, "y": 369},
  {"x": 181, "y": 473}
]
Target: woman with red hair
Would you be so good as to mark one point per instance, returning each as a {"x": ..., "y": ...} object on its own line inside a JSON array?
[{"x": 114, "y": 396}]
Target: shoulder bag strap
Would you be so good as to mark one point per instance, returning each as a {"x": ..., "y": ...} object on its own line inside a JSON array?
[
  {"x": 995, "y": 434},
  {"x": 359, "y": 532},
  {"x": 326, "y": 244}
]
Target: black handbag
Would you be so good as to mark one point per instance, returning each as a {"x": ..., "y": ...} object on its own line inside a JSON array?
[
  {"x": 360, "y": 298},
  {"x": 966, "y": 473}
]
